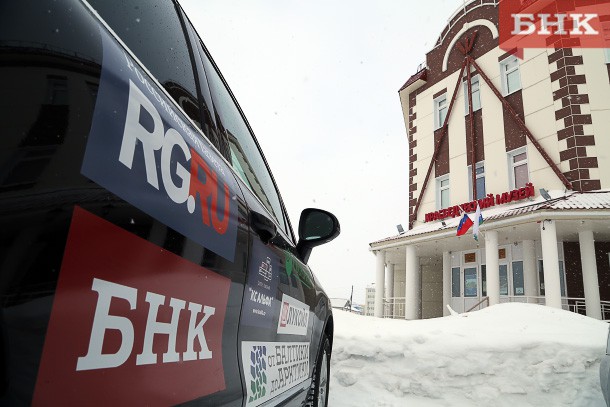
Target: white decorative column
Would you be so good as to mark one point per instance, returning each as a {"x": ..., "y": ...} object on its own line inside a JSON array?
[
  {"x": 550, "y": 261},
  {"x": 529, "y": 268},
  {"x": 389, "y": 290},
  {"x": 446, "y": 282},
  {"x": 493, "y": 267},
  {"x": 379, "y": 289},
  {"x": 412, "y": 285},
  {"x": 589, "y": 274}
]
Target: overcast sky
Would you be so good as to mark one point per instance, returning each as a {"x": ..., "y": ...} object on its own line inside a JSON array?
[{"x": 318, "y": 81}]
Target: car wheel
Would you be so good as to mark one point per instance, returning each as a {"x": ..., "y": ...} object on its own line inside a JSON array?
[{"x": 322, "y": 375}]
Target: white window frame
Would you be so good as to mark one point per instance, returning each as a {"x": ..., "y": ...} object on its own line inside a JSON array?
[
  {"x": 439, "y": 189},
  {"x": 511, "y": 165},
  {"x": 473, "y": 79},
  {"x": 480, "y": 164},
  {"x": 504, "y": 74},
  {"x": 437, "y": 110}
]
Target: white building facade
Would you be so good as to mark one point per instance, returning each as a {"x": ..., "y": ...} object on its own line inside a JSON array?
[{"x": 525, "y": 125}]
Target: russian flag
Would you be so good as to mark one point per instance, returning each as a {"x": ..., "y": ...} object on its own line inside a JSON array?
[{"x": 465, "y": 224}]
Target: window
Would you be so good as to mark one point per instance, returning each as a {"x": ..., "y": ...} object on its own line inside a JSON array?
[
  {"x": 480, "y": 180},
  {"x": 607, "y": 55},
  {"x": 440, "y": 111},
  {"x": 518, "y": 170},
  {"x": 57, "y": 90},
  {"x": 442, "y": 192},
  {"x": 154, "y": 34},
  {"x": 562, "y": 277},
  {"x": 476, "y": 94},
  {"x": 511, "y": 78},
  {"x": 245, "y": 157},
  {"x": 455, "y": 282}
]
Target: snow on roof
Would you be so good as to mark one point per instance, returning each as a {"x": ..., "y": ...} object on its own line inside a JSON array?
[{"x": 560, "y": 200}]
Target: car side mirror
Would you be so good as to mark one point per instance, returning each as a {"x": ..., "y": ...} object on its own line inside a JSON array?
[{"x": 316, "y": 227}]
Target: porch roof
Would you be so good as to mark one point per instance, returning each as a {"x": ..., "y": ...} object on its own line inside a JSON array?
[{"x": 560, "y": 201}]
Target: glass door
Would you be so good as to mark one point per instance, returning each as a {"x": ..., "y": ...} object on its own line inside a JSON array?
[
  {"x": 471, "y": 282},
  {"x": 504, "y": 283},
  {"x": 471, "y": 287}
]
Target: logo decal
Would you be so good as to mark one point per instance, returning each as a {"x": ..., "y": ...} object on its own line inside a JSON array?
[
  {"x": 294, "y": 317},
  {"x": 148, "y": 154},
  {"x": 553, "y": 24},
  {"x": 272, "y": 368},
  {"x": 261, "y": 289},
  {"x": 131, "y": 323}
]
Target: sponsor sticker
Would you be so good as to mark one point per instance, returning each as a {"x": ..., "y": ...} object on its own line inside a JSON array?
[
  {"x": 271, "y": 368},
  {"x": 131, "y": 323},
  {"x": 146, "y": 152},
  {"x": 294, "y": 317},
  {"x": 261, "y": 289},
  {"x": 553, "y": 24}
]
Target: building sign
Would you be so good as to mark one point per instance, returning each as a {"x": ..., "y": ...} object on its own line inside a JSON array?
[
  {"x": 487, "y": 202},
  {"x": 501, "y": 254}
]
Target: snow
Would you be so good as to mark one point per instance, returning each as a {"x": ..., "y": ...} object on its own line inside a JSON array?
[{"x": 505, "y": 355}]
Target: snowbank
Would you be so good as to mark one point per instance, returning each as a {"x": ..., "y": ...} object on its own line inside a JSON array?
[{"x": 505, "y": 355}]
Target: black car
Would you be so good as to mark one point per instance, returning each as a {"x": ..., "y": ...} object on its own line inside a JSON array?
[{"x": 146, "y": 257}]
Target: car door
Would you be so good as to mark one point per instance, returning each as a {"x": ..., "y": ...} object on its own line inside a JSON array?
[
  {"x": 149, "y": 289},
  {"x": 276, "y": 325}
]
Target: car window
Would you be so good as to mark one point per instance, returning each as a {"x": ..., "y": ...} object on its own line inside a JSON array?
[
  {"x": 209, "y": 115},
  {"x": 154, "y": 33},
  {"x": 245, "y": 156}
]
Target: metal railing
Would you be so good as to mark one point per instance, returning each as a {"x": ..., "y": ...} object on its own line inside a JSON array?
[
  {"x": 478, "y": 304},
  {"x": 394, "y": 307},
  {"x": 573, "y": 304},
  {"x": 605, "y": 310}
]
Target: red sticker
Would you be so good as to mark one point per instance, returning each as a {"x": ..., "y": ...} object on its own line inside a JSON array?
[{"x": 131, "y": 323}]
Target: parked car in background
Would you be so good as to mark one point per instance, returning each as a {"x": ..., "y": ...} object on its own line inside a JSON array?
[{"x": 146, "y": 256}]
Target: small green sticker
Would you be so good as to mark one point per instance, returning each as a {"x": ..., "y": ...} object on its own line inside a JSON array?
[
  {"x": 289, "y": 261},
  {"x": 299, "y": 271}
]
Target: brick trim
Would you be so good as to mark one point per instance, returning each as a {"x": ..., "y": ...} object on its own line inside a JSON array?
[
  {"x": 412, "y": 156},
  {"x": 571, "y": 120},
  {"x": 439, "y": 93}
]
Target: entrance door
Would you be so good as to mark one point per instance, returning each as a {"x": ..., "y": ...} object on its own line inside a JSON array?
[
  {"x": 504, "y": 283},
  {"x": 471, "y": 287}
]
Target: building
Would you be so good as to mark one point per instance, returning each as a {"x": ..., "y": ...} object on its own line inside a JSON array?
[
  {"x": 369, "y": 301},
  {"x": 537, "y": 133}
]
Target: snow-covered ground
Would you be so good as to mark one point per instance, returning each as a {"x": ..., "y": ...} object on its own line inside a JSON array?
[{"x": 506, "y": 355}]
